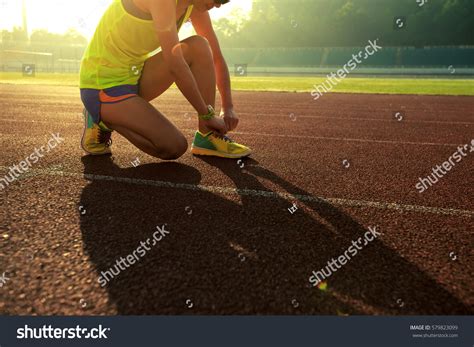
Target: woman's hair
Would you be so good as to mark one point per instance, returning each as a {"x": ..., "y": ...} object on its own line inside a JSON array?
[{"x": 222, "y": 2}]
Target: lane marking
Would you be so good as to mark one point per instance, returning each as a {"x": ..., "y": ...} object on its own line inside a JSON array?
[
  {"x": 420, "y": 121},
  {"x": 351, "y": 139},
  {"x": 390, "y": 119},
  {"x": 364, "y": 119},
  {"x": 258, "y": 193},
  {"x": 179, "y": 111},
  {"x": 281, "y": 116},
  {"x": 343, "y": 139}
]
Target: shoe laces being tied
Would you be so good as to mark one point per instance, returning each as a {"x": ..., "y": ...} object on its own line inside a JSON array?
[
  {"x": 224, "y": 137},
  {"x": 105, "y": 137}
]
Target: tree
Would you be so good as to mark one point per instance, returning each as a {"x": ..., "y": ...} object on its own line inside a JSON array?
[{"x": 313, "y": 23}]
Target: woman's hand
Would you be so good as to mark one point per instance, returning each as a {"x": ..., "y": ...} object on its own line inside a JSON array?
[
  {"x": 230, "y": 118},
  {"x": 216, "y": 124}
]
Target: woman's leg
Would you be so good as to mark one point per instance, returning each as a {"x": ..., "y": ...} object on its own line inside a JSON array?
[
  {"x": 145, "y": 127},
  {"x": 141, "y": 123},
  {"x": 157, "y": 78}
]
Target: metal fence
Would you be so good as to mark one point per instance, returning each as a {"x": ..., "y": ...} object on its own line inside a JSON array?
[
  {"x": 14, "y": 57},
  {"x": 66, "y": 59}
]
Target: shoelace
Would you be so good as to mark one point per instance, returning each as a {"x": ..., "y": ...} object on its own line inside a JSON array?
[
  {"x": 105, "y": 138},
  {"x": 224, "y": 137}
]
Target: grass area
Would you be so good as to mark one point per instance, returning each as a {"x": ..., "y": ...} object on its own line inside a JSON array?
[
  {"x": 376, "y": 85},
  {"x": 40, "y": 78},
  {"x": 427, "y": 86}
]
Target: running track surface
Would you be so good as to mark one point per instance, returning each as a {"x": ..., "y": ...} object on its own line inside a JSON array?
[{"x": 233, "y": 246}]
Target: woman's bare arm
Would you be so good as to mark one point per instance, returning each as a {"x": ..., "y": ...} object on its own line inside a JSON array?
[
  {"x": 203, "y": 26},
  {"x": 163, "y": 13}
]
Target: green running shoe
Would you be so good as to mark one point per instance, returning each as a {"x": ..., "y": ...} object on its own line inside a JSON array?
[
  {"x": 219, "y": 146},
  {"x": 96, "y": 138}
]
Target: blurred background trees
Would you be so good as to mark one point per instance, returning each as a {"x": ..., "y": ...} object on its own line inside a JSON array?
[
  {"x": 324, "y": 23},
  {"x": 336, "y": 23}
]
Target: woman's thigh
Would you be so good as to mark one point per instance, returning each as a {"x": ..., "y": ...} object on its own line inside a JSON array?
[
  {"x": 144, "y": 126},
  {"x": 156, "y": 78},
  {"x": 156, "y": 75}
]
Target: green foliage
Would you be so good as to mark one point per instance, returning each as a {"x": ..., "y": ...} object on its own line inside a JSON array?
[
  {"x": 326, "y": 23},
  {"x": 42, "y": 36},
  {"x": 16, "y": 35},
  {"x": 69, "y": 45},
  {"x": 69, "y": 37}
]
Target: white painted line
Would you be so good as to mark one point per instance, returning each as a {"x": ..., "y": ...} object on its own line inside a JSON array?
[
  {"x": 351, "y": 139},
  {"x": 325, "y": 138},
  {"x": 361, "y": 119},
  {"x": 258, "y": 193},
  {"x": 349, "y": 119},
  {"x": 31, "y": 121},
  {"x": 389, "y": 117}
]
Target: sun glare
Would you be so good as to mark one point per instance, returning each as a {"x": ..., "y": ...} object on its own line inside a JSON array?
[{"x": 59, "y": 15}]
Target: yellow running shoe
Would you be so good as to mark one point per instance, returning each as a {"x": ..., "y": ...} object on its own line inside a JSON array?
[
  {"x": 96, "y": 137},
  {"x": 218, "y": 146}
]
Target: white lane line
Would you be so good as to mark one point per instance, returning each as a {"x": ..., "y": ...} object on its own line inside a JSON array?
[
  {"x": 258, "y": 193},
  {"x": 172, "y": 112},
  {"x": 286, "y": 115},
  {"x": 360, "y": 119},
  {"x": 297, "y": 116},
  {"x": 325, "y": 138},
  {"x": 192, "y": 131},
  {"x": 351, "y": 139}
]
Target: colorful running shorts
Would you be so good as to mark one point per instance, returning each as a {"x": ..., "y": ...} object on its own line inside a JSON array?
[{"x": 94, "y": 98}]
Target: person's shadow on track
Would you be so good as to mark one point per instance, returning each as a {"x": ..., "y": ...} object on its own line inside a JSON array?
[{"x": 238, "y": 251}]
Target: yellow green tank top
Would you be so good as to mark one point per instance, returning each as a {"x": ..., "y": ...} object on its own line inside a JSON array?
[{"x": 119, "y": 48}]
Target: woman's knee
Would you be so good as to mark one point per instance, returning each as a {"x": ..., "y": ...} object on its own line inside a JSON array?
[
  {"x": 199, "y": 46},
  {"x": 173, "y": 151}
]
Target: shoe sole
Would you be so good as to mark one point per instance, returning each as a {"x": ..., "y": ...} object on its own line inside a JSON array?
[
  {"x": 84, "y": 135},
  {"x": 208, "y": 152}
]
